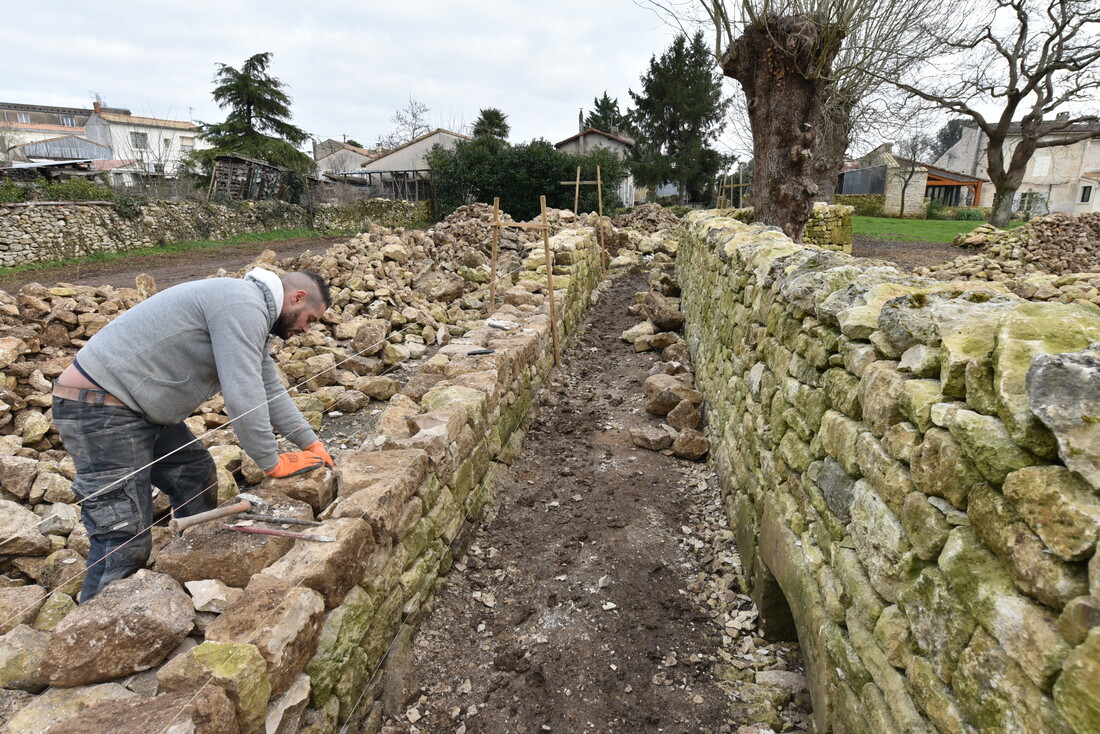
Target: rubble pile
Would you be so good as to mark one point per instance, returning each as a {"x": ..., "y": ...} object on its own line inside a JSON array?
[
  {"x": 648, "y": 218},
  {"x": 1057, "y": 243},
  {"x": 670, "y": 387}
]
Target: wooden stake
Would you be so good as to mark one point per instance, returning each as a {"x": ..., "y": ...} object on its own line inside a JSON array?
[
  {"x": 577, "y": 192},
  {"x": 550, "y": 281},
  {"x": 603, "y": 248},
  {"x": 496, "y": 244}
]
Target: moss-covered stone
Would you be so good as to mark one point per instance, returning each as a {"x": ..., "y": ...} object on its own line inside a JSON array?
[
  {"x": 1059, "y": 506},
  {"x": 987, "y": 443},
  {"x": 237, "y": 668},
  {"x": 344, "y": 629},
  {"x": 925, "y": 524},
  {"x": 941, "y": 469},
  {"x": 941, "y": 625},
  {"x": 916, "y": 401},
  {"x": 1076, "y": 693}
]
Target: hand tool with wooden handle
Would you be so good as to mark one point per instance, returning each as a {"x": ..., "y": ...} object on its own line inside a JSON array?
[{"x": 245, "y": 502}]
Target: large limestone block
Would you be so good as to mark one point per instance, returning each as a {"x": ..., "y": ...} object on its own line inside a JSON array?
[
  {"x": 284, "y": 714},
  {"x": 837, "y": 488},
  {"x": 1058, "y": 506},
  {"x": 880, "y": 539},
  {"x": 889, "y": 477},
  {"x": 57, "y": 705},
  {"x": 916, "y": 401},
  {"x": 236, "y": 668},
  {"x": 663, "y": 311},
  {"x": 838, "y": 437},
  {"x": 375, "y": 485},
  {"x": 941, "y": 469},
  {"x": 282, "y": 621},
  {"x": 1035, "y": 571},
  {"x": 998, "y": 696},
  {"x": 370, "y": 336},
  {"x": 475, "y": 401},
  {"x": 879, "y": 393},
  {"x": 1064, "y": 393},
  {"x": 21, "y": 652},
  {"x": 1030, "y": 330},
  {"x": 21, "y": 536},
  {"x": 17, "y": 475},
  {"x": 987, "y": 443},
  {"x": 209, "y": 551},
  {"x": 925, "y": 524},
  {"x": 316, "y": 488},
  {"x": 130, "y": 626},
  {"x": 940, "y": 624},
  {"x": 666, "y": 391},
  {"x": 19, "y": 605},
  {"x": 1076, "y": 693},
  {"x": 204, "y": 711},
  {"x": 331, "y": 569},
  {"x": 343, "y": 631},
  {"x": 967, "y": 336},
  {"x": 1026, "y": 630},
  {"x": 934, "y": 697}
]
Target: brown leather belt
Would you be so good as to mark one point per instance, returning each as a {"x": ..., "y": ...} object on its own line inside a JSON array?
[{"x": 85, "y": 395}]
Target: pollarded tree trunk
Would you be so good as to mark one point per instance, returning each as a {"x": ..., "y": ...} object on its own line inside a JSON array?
[
  {"x": 783, "y": 66},
  {"x": 833, "y": 136}
]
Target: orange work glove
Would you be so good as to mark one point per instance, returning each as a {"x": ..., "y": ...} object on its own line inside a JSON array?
[
  {"x": 295, "y": 462},
  {"x": 318, "y": 449}
]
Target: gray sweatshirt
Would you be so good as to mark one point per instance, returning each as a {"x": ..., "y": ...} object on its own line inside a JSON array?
[{"x": 167, "y": 355}]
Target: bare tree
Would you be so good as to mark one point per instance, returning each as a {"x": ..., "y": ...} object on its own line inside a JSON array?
[
  {"x": 803, "y": 67},
  {"x": 410, "y": 122},
  {"x": 1031, "y": 57},
  {"x": 910, "y": 152}
]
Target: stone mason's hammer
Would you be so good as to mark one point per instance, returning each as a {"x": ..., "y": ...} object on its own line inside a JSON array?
[{"x": 244, "y": 503}]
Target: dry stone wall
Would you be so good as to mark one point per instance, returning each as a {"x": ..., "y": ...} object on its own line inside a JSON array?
[
  {"x": 913, "y": 464},
  {"x": 45, "y": 231},
  {"x": 830, "y": 226}
]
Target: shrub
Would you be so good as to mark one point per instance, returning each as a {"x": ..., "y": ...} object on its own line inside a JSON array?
[
  {"x": 76, "y": 189},
  {"x": 12, "y": 193},
  {"x": 969, "y": 214},
  {"x": 129, "y": 207},
  {"x": 935, "y": 210},
  {"x": 865, "y": 205}
]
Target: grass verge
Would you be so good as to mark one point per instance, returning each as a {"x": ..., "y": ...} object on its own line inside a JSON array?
[
  {"x": 914, "y": 230},
  {"x": 274, "y": 235}
]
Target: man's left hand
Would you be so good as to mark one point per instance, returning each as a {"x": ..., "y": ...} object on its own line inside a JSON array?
[{"x": 318, "y": 449}]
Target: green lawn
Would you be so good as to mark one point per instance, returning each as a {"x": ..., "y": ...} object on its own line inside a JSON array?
[
  {"x": 97, "y": 257},
  {"x": 913, "y": 230}
]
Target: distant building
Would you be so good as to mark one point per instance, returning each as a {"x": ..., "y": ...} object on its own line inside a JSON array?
[
  {"x": 882, "y": 172},
  {"x": 63, "y": 148},
  {"x": 589, "y": 139},
  {"x": 401, "y": 173},
  {"x": 1061, "y": 178},
  {"x": 334, "y": 156},
  {"x": 155, "y": 145},
  {"x": 29, "y": 123}
]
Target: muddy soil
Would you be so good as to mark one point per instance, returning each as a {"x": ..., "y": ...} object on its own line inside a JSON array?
[
  {"x": 908, "y": 255},
  {"x": 592, "y": 598},
  {"x": 167, "y": 269}
]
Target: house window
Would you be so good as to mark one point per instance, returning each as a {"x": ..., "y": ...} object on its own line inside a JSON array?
[
  {"x": 139, "y": 141},
  {"x": 1040, "y": 166},
  {"x": 23, "y": 116},
  {"x": 1086, "y": 194},
  {"x": 68, "y": 121},
  {"x": 167, "y": 142},
  {"x": 158, "y": 168},
  {"x": 187, "y": 144}
]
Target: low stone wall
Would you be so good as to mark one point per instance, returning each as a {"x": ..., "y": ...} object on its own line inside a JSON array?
[
  {"x": 913, "y": 465},
  {"x": 45, "y": 231},
  {"x": 274, "y": 634},
  {"x": 830, "y": 227}
]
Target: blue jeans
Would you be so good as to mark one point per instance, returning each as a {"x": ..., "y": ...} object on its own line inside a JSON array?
[{"x": 109, "y": 444}]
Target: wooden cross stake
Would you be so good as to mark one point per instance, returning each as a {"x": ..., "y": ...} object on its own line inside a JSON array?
[{"x": 598, "y": 183}]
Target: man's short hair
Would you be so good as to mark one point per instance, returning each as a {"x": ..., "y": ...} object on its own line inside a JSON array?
[{"x": 319, "y": 285}]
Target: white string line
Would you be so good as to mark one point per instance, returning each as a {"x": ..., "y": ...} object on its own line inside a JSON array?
[
  {"x": 199, "y": 438},
  {"x": 150, "y": 464}
]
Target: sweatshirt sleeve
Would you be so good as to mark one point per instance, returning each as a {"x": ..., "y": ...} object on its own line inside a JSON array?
[
  {"x": 238, "y": 337},
  {"x": 285, "y": 416}
]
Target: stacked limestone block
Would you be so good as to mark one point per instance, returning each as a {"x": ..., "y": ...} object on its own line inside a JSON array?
[
  {"x": 913, "y": 463},
  {"x": 291, "y": 635},
  {"x": 830, "y": 226}
]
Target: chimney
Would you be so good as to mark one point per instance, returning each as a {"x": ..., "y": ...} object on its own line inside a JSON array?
[
  {"x": 95, "y": 105},
  {"x": 580, "y": 121}
]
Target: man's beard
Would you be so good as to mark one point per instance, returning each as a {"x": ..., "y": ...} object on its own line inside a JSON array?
[{"x": 285, "y": 323}]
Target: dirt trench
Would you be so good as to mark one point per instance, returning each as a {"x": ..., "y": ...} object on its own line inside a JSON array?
[{"x": 600, "y": 593}]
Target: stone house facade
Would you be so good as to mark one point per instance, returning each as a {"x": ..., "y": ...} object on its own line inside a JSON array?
[
  {"x": 589, "y": 139},
  {"x": 1064, "y": 178}
]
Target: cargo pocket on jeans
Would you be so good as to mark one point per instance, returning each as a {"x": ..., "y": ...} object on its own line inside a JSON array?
[{"x": 116, "y": 511}]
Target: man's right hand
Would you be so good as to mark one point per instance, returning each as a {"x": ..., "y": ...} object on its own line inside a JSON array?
[{"x": 293, "y": 463}]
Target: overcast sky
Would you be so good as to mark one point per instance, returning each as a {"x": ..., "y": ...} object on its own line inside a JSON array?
[{"x": 348, "y": 65}]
